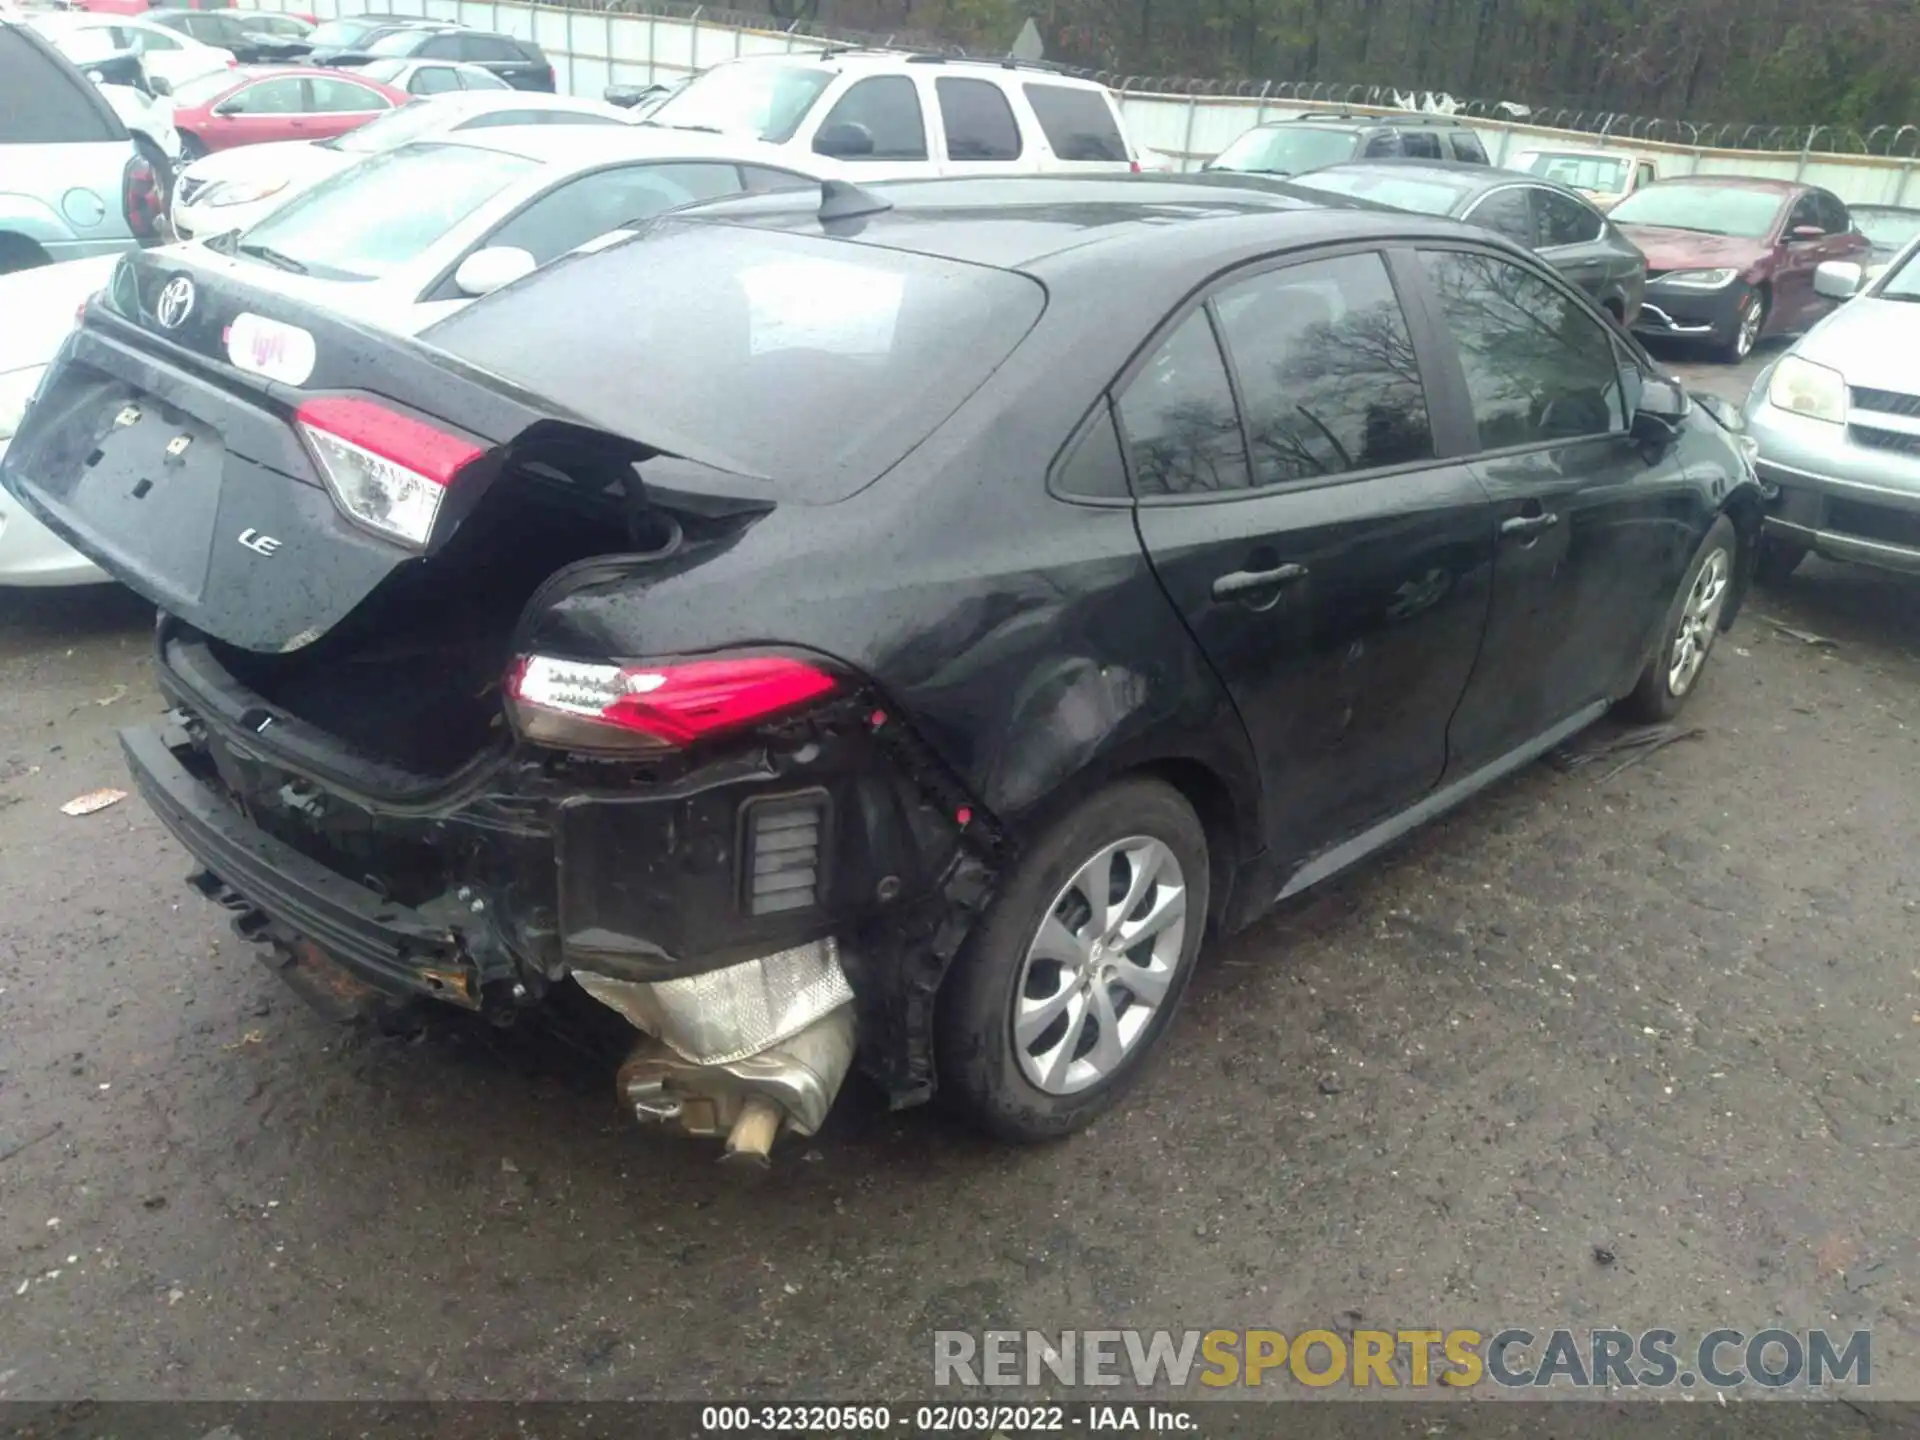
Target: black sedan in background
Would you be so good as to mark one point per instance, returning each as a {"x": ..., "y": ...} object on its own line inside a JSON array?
[
  {"x": 1556, "y": 223},
  {"x": 1191, "y": 544}
]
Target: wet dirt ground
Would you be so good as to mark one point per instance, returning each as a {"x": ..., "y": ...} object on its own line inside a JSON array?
[{"x": 1669, "y": 1015}]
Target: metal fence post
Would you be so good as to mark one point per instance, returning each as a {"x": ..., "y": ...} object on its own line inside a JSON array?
[
  {"x": 1186, "y": 145},
  {"x": 693, "y": 57}
]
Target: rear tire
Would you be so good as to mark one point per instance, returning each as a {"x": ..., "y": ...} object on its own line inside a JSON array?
[
  {"x": 1778, "y": 560},
  {"x": 1693, "y": 623},
  {"x": 1061, "y": 992}
]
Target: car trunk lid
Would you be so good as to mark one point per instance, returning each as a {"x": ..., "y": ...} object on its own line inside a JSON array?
[{"x": 168, "y": 444}]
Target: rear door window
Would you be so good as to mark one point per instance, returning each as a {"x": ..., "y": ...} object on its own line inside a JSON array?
[
  {"x": 1506, "y": 212},
  {"x": 43, "y": 101},
  {"x": 1538, "y": 367},
  {"x": 887, "y": 107},
  {"x": 1563, "y": 220},
  {"x": 490, "y": 50},
  {"x": 1467, "y": 147},
  {"x": 1183, "y": 433},
  {"x": 1382, "y": 147},
  {"x": 978, "y": 120},
  {"x": 1420, "y": 144},
  {"x": 1327, "y": 371},
  {"x": 433, "y": 80},
  {"x": 335, "y": 97},
  {"x": 1078, "y": 124}
]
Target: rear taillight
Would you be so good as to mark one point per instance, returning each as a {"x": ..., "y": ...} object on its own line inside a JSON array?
[
  {"x": 386, "y": 470},
  {"x": 140, "y": 198},
  {"x": 576, "y": 705},
  {"x": 1138, "y": 169}
]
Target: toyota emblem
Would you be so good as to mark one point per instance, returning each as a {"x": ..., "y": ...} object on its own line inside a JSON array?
[{"x": 175, "y": 303}]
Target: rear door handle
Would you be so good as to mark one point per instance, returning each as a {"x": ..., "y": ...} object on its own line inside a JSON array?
[
  {"x": 1529, "y": 524},
  {"x": 1249, "y": 582}
]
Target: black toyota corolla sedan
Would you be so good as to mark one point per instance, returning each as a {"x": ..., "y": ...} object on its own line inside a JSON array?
[
  {"x": 886, "y": 625},
  {"x": 1553, "y": 221}
]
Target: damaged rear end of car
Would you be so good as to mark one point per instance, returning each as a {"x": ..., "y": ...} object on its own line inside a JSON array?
[{"x": 434, "y": 732}]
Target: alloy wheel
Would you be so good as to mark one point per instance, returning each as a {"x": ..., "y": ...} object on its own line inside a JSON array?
[
  {"x": 1699, "y": 622},
  {"x": 1101, "y": 966},
  {"x": 1752, "y": 313}
]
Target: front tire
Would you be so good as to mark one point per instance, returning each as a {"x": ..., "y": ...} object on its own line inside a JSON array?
[
  {"x": 1749, "y": 320},
  {"x": 1076, "y": 971},
  {"x": 1693, "y": 623}
]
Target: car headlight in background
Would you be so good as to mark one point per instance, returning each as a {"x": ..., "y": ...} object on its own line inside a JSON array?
[
  {"x": 1698, "y": 279},
  {"x": 1801, "y": 387},
  {"x": 16, "y": 389},
  {"x": 242, "y": 192}
]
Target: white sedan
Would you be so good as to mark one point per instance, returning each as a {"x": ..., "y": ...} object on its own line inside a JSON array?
[
  {"x": 40, "y": 306},
  {"x": 232, "y": 189},
  {"x": 164, "y": 54},
  {"x": 405, "y": 238}
]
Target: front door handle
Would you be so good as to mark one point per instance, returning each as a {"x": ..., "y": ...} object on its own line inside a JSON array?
[
  {"x": 1249, "y": 582},
  {"x": 1529, "y": 525}
]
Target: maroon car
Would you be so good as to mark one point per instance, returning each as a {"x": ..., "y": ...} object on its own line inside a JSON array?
[{"x": 1731, "y": 258}]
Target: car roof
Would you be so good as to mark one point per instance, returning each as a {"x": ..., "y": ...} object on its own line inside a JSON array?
[
  {"x": 1041, "y": 222},
  {"x": 590, "y": 145},
  {"x": 855, "y": 59},
  {"x": 1347, "y": 120},
  {"x": 1732, "y": 182}
]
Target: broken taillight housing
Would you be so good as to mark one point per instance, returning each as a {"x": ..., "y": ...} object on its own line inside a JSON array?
[
  {"x": 385, "y": 470},
  {"x": 578, "y": 705}
]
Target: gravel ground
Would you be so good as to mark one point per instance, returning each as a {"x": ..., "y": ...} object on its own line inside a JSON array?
[{"x": 1670, "y": 1013}]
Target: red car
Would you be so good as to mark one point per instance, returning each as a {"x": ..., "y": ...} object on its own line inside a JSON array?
[
  {"x": 1731, "y": 258},
  {"x": 249, "y": 105}
]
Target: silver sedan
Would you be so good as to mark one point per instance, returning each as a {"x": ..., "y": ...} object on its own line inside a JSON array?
[{"x": 1837, "y": 423}]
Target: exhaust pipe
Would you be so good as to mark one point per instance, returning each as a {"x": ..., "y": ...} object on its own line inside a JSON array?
[
  {"x": 743, "y": 1052},
  {"x": 789, "y": 1086}
]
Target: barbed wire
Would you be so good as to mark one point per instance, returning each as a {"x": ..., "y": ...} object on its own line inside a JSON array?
[{"x": 1898, "y": 141}]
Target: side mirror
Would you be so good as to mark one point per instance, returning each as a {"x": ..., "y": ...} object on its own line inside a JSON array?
[
  {"x": 485, "y": 271},
  {"x": 1800, "y": 234},
  {"x": 160, "y": 86},
  {"x": 1839, "y": 279},
  {"x": 229, "y": 107},
  {"x": 845, "y": 141},
  {"x": 1663, "y": 407},
  {"x": 628, "y": 96}
]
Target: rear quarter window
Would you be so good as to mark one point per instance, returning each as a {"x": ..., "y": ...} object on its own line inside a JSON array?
[
  {"x": 1078, "y": 124},
  {"x": 44, "y": 101}
]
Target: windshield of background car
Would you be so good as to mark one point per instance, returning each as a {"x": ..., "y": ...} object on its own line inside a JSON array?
[
  {"x": 398, "y": 42},
  {"x": 1887, "y": 229},
  {"x": 1710, "y": 209},
  {"x": 1601, "y": 173},
  {"x": 1383, "y": 186},
  {"x": 1286, "y": 150},
  {"x": 374, "y": 217},
  {"x": 334, "y": 34},
  {"x": 1902, "y": 281},
  {"x": 754, "y": 350},
  {"x": 768, "y": 101}
]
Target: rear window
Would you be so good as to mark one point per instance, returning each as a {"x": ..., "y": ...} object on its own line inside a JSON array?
[
  {"x": 1079, "y": 124},
  {"x": 45, "y": 102},
  {"x": 340, "y": 32},
  {"x": 754, "y": 350},
  {"x": 1286, "y": 150}
]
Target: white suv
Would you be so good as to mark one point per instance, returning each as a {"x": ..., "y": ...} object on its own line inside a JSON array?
[{"x": 886, "y": 115}]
